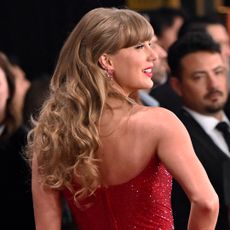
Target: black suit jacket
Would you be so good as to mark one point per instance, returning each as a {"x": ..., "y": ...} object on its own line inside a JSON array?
[
  {"x": 167, "y": 97},
  {"x": 216, "y": 164},
  {"x": 16, "y": 204}
]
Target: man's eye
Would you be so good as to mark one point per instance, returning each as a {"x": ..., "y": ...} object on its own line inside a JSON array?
[
  {"x": 220, "y": 71},
  {"x": 198, "y": 77}
]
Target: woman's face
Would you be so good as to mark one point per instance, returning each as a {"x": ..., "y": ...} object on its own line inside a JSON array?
[
  {"x": 133, "y": 67},
  {"x": 4, "y": 94}
]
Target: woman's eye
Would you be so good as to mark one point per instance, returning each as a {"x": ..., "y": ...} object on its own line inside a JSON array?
[{"x": 139, "y": 46}]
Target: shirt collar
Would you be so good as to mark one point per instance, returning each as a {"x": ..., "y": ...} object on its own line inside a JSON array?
[{"x": 208, "y": 123}]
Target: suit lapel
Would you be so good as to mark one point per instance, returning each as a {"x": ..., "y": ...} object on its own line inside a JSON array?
[{"x": 198, "y": 135}]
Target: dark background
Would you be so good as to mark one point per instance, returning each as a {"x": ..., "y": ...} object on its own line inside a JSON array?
[{"x": 32, "y": 32}]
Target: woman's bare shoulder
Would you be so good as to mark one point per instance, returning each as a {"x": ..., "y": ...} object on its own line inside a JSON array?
[
  {"x": 156, "y": 118},
  {"x": 153, "y": 114}
]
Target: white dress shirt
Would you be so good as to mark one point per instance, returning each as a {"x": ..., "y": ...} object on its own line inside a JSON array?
[{"x": 208, "y": 123}]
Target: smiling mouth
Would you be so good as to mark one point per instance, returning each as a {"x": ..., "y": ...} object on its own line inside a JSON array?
[{"x": 148, "y": 72}]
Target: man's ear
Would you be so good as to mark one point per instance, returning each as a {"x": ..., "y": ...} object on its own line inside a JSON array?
[
  {"x": 176, "y": 85},
  {"x": 105, "y": 62}
]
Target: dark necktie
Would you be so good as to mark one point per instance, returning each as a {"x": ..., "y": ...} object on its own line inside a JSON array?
[{"x": 224, "y": 128}]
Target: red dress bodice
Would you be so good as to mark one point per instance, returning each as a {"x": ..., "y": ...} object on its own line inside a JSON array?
[{"x": 142, "y": 203}]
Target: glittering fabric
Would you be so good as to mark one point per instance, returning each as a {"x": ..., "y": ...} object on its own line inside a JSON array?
[{"x": 143, "y": 203}]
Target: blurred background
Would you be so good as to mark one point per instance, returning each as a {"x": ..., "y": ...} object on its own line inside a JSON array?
[{"x": 33, "y": 31}]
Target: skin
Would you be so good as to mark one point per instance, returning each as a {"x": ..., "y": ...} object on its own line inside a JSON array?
[
  {"x": 132, "y": 62},
  {"x": 4, "y": 94},
  {"x": 22, "y": 85},
  {"x": 161, "y": 65},
  {"x": 154, "y": 138},
  {"x": 203, "y": 85},
  {"x": 220, "y": 35},
  {"x": 169, "y": 35}
]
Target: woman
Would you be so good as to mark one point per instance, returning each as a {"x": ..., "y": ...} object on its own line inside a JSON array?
[
  {"x": 110, "y": 157},
  {"x": 15, "y": 173}
]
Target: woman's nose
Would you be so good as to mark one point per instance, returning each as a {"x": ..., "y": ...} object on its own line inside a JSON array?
[{"x": 153, "y": 55}]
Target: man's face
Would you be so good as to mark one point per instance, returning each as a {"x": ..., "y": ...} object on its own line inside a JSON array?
[
  {"x": 220, "y": 35},
  {"x": 170, "y": 34},
  {"x": 161, "y": 67},
  {"x": 203, "y": 84}
]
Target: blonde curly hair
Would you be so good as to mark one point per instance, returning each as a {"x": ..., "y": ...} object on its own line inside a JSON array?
[{"x": 65, "y": 137}]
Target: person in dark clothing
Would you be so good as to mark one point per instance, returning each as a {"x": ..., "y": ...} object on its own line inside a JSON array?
[
  {"x": 166, "y": 22},
  {"x": 17, "y": 206},
  {"x": 199, "y": 76},
  {"x": 212, "y": 26}
]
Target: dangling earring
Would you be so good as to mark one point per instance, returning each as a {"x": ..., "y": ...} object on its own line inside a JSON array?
[{"x": 109, "y": 74}]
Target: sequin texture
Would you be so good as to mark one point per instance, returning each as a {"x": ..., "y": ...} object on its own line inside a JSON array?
[{"x": 143, "y": 203}]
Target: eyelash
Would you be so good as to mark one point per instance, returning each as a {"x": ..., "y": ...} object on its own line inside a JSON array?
[
  {"x": 140, "y": 46},
  {"x": 221, "y": 71}
]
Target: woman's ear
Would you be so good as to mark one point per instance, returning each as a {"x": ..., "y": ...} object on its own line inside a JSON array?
[{"x": 105, "y": 62}]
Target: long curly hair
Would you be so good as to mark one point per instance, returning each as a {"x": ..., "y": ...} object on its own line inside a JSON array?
[{"x": 65, "y": 137}]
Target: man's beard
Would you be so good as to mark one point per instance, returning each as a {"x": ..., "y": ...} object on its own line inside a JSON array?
[{"x": 211, "y": 109}]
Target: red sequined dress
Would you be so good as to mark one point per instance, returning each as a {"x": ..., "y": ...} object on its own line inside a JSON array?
[{"x": 142, "y": 203}]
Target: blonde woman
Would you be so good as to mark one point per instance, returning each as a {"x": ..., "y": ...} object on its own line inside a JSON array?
[{"x": 111, "y": 158}]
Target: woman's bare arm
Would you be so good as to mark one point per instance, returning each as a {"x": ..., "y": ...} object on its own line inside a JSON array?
[
  {"x": 176, "y": 152},
  {"x": 47, "y": 205}
]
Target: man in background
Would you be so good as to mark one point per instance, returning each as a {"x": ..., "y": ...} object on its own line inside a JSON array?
[{"x": 199, "y": 77}]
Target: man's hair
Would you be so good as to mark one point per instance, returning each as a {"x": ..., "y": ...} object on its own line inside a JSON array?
[
  {"x": 199, "y": 24},
  {"x": 191, "y": 42},
  {"x": 163, "y": 18}
]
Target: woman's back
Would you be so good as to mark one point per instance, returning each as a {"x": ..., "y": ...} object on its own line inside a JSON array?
[
  {"x": 127, "y": 143},
  {"x": 137, "y": 188}
]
